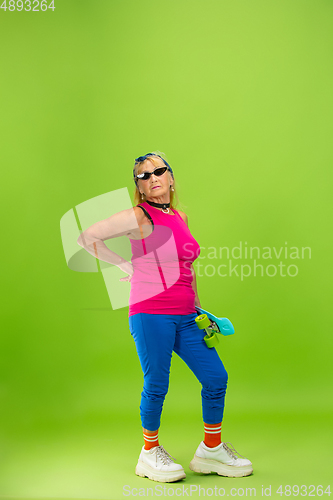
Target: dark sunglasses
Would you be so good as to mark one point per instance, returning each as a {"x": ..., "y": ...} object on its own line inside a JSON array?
[{"x": 144, "y": 176}]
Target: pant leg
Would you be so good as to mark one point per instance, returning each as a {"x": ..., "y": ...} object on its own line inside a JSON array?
[
  {"x": 205, "y": 364},
  {"x": 154, "y": 336}
]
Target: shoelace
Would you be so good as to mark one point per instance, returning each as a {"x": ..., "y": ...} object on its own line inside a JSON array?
[
  {"x": 231, "y": 451},
  {"x": 165, "y": 457}
]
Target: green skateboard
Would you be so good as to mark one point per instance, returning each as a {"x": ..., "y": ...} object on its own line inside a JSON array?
[{"x": 213, "y": 325}]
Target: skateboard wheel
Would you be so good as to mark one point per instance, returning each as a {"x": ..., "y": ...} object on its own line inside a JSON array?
[
  {"x": 211, "y": 341},
  {"x": 202, "y": 321}
]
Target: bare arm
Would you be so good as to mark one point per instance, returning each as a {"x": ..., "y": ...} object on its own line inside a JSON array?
[
  {"x": 194, "y": 282},
  {"x": 119, "y": 224}
]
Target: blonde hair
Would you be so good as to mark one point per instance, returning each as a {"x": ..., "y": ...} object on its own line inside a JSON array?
[{"x": 138, "y": 169}]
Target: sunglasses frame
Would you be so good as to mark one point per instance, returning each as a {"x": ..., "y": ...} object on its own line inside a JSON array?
[{"x": 151, "y": 173}]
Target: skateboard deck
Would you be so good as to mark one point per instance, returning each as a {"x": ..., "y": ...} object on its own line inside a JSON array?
[{"x": 222, "y": 325}]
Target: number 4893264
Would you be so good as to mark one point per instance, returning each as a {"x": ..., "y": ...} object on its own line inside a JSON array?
[{"x": 33, "y": 5}]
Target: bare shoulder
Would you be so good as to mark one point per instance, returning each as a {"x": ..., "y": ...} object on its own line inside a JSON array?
[
  {"x": 140, "y": 215},
  {"x": 183, "y": 216}
]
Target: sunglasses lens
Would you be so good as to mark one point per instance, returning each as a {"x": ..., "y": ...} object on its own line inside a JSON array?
[
  {"x": 160, "y": 171},
  {"x": 144, "y": 176}
]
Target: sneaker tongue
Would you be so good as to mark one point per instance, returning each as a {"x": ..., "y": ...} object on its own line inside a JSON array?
[
  {"x": 231, "y": 451},
  {"x": 164, "y": 455}
]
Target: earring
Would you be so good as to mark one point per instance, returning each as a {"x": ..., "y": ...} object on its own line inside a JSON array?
[
  {"x": 141, "y": 196},
  {"x": 172, "y": 188}
]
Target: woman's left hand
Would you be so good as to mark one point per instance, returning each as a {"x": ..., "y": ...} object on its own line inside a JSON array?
[
  {"x": 127, "y": 278},
  {"x": 127, "y": 267}
]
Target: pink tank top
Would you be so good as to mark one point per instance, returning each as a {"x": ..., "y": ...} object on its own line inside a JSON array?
[{"x": 162, "y": 278}]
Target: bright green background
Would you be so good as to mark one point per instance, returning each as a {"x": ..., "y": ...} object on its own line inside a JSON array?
[{"x": 238, "y": 95}]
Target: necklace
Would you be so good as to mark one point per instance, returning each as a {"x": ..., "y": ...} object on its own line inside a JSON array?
[{"x": 163, "y": 206}]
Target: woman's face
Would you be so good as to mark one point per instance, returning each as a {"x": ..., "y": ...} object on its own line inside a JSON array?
[{"x": 155, "y": 186}]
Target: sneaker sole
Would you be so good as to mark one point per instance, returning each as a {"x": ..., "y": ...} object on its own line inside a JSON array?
[
  {"x": 144, "y": 470},
  {"x": 206, "y": 466}
]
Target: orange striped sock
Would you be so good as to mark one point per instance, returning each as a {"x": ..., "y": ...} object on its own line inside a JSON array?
[
  {"x": 212, "y": 435},
  {"x": 150, "y": 438}
]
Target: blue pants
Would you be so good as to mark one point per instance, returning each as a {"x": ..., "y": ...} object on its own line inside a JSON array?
[{"x": 156, "y": 336}]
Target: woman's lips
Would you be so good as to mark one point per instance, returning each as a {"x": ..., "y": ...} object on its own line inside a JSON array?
[{"x": 155, "y": 187}]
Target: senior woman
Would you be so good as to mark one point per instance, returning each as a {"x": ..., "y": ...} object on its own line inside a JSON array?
[{"x": 162, "y": 313}]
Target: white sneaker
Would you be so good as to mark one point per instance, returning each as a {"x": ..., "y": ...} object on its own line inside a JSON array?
[
  {"x": 158, "y": 465},
  {"x": 221, "y": 459}
]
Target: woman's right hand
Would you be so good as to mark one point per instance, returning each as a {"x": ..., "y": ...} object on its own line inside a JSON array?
[{"x": 127, "y": 267}]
